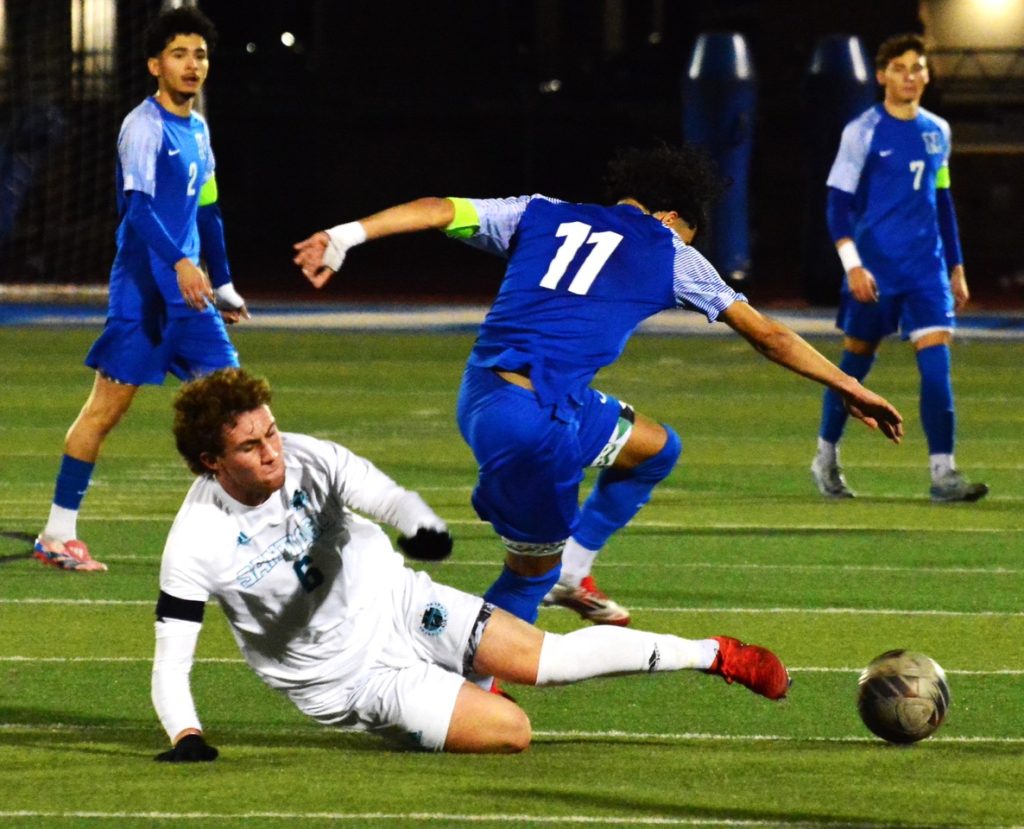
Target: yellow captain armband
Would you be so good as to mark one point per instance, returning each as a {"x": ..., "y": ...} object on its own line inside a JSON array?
[
  {"x": 466, "y": 222},
  {"x": 208, "y": 192},
  {"x": 942, "y": 178}
]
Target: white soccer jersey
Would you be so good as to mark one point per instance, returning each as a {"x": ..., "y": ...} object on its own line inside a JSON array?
[{"x": 305, "y": 582}]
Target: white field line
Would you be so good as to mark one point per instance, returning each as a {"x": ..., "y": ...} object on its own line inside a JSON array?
[
  {"x": 810, "y": 611},
  {"x": 450, "y": 818},
  {"x": 237, "y": 660},
  {"x": 675, "y": 526},
  {"x": 713, "y": 565},
  {"x": 541, "y": 735}
]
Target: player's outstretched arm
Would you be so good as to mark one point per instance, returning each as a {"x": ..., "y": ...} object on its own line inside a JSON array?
[
  {"x": 784, "y": 346},
  {"x": 176, "y": 640},
  {"x": 323, "y": 253}
]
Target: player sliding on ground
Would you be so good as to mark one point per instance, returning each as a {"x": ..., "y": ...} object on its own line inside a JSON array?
[
  {"x": 580, "y": 278},
  {"x": 324, "y": 609}
]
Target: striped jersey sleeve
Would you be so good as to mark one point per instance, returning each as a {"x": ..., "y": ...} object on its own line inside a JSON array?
[
  {"x": 499, "y": 220},
  {"x": 853, "y": 152},
  {"x": 697, "y": 285},
  {"x": 138, "y": 145}
]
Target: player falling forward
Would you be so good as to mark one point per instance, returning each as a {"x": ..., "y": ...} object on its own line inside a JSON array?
[
  {"x": 163, "y": 315},
  {"x": 324, "y": 610},
  {"x": 580, "y": 278},
  {"x": 891, "y": 215}
]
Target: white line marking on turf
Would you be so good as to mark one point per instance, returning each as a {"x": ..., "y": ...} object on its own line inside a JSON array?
[
  {"x": 834, "y": 528},
  {"x": 540, "y": 735},
  {"x": 810, "y": 611},
  {"x": 236, "y": 660},
  {"x": 496, "y": 819},
  {"x": 714, "y": 565}
]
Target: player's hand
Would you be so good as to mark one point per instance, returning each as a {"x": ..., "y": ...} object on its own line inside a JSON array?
[
  {"x": 310, "y": 258},
  {"x": 189, "y": 749},
  {"x": 233, "y": 317},
  {"x": 230, "y": 304},
  {"x": 427, "y": 545},
  {"x": 875, "y": 411},
  {"x": 958, "y": 285},
  {"x": 193, "y": 284},
  {"x": 862, "y": 284}
]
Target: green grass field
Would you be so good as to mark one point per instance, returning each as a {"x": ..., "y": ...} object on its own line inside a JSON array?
[{"x": 735, "y": 542}]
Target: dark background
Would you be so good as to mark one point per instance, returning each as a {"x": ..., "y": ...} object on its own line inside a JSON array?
[
  {"x": 385, "y": 104},
  {"x": 381, "y": 103}
]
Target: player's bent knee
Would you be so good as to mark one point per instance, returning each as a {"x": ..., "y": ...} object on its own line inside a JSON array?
[
  {"x": 659, "y": 466},
  {"x": 485, "y": 723},
  {"x": 514, "y": 736}
]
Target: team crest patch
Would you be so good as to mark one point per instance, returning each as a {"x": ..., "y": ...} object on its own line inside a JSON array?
[{"x": 435, "y": 619}]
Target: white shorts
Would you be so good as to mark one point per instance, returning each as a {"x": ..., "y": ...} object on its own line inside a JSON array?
[{"x": 408, "y": 690}]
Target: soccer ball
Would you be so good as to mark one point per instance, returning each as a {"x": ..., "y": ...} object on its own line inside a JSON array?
[{"x": 903, "y": 696}]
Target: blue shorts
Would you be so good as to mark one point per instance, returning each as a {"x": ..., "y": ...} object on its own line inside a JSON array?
[
  {"x": 909, "y": 312},
  {"x": 530, "y": 463},
  {"x": 138, "y": 352}
]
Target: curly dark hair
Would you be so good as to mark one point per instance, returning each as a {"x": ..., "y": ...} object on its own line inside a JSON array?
[
  {"x": 895, "y": 46},
  {"x": 663, "y": 177},
  {"x": 203, "y": 408},
  {"x": 186, "y": 20}
]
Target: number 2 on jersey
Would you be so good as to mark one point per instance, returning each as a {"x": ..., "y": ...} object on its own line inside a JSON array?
[{"x": 576, "y": 235}]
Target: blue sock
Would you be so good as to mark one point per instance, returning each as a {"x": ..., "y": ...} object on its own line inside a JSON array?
[
  {"x": 937, "y": 414},
  {"x": 833, "y": 413},
  {"x": 619, "y": 494},
  {"x": 72, "y": 482},
  {"x": 521, "y": 595}
]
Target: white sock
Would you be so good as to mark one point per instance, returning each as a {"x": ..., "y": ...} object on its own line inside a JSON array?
[
  {"x": 577, "y": 561},
  {"x": 62, "y": 525},
  {"x": 603, "y": 650},
  {"x": 941, "y": 465},
  {"x": 828, "y": 451}
]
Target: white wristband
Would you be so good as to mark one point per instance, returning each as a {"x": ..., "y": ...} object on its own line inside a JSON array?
[
  {"x": 342, "y": 237},
  {"x": 848, "y": 255},
  {"x": 228, "y": 298}
]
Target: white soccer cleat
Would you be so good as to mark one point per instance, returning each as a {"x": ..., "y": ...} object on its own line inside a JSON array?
[
  {"x": 828, "y": 477},
  {"x": 952, "y": 486}
]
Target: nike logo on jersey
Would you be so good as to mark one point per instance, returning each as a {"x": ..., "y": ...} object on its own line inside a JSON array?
[
  {"x": 884, "y": 153},
  {"x": 173, "y": 152},
  {"x": 243, "y": 538}
]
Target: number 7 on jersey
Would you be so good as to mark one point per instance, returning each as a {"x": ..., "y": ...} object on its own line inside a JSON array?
[{"x": 576, "y": 235}]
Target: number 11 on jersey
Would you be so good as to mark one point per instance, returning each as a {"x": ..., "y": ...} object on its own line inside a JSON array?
[{"x": 576, "y": 235}]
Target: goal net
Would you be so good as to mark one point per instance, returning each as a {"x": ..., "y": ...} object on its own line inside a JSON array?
[{"x": 70, "y": 70}]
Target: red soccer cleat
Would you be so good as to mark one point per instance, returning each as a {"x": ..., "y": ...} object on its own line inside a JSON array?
[
  {"x": 751, "y": 666},
  {"x": 69, "y": 555},
  {"x": 590, "y": 602}
]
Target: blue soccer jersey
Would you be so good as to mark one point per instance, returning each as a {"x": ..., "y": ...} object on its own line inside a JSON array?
[
  {"x": 892, "y": 168},
  {"x": 580, "y": 278},
  {"x": 169, "y": 158}
]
